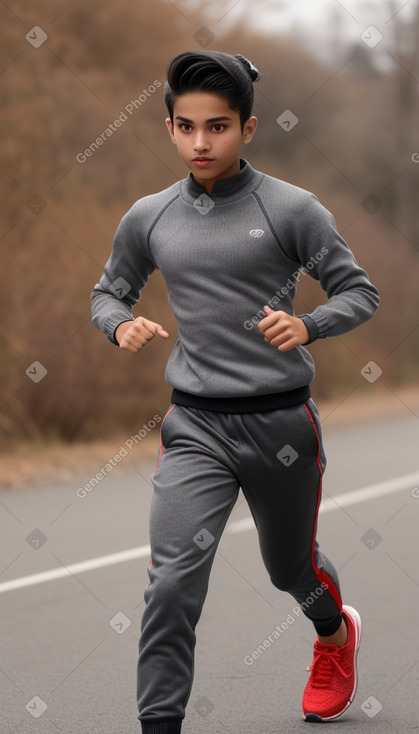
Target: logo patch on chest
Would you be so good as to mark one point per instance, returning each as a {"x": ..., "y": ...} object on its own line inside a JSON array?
[{"x": 256, "y": 232}]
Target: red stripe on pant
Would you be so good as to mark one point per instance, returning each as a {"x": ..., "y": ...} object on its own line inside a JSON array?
[{"x": 323, "y": 577}]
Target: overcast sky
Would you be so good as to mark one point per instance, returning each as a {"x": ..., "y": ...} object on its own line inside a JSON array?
[
  {"x": 351, "y": 15},
  {"x": 321, "y": 23}
]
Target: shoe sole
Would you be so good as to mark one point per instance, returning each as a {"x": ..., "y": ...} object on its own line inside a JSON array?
[{"x": 356, "y": 619}]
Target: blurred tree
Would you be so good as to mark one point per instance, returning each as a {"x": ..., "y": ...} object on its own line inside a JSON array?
[
  {"x": 356, "y": 134},
  {"x": 403, "y": 105}
]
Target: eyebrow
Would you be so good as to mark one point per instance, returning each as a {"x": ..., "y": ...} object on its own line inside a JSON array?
[{"x": 211, "y": 119}]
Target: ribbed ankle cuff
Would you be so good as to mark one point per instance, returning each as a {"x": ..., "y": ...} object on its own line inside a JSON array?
[
  {"x": 326, "y": 630},
  {"x": 161, "y": 726}
]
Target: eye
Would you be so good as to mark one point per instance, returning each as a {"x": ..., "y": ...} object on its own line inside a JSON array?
[
  {"x": 218, "y": 127},
  {"x": 185, "y": 126}
]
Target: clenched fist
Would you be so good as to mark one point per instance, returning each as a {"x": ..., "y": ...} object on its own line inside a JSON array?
[
  {"x": 132, "y": 335},
  {"x": 282, "y": 330}
]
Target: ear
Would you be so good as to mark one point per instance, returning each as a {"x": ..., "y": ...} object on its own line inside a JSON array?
[
  {"x": 249, "y": 129},
  {"x": 169, "y": 126}
]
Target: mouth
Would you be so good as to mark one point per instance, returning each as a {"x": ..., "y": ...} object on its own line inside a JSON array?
[{"x": 202, "y": 161}]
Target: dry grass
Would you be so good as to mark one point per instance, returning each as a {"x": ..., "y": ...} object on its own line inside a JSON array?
[{"x": 34, "y": 464}]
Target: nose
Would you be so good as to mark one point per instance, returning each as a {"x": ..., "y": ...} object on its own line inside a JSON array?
[{"x": 201, "y": 141}]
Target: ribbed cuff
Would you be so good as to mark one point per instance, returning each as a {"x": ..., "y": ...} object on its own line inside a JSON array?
[
  {"x": 328, "y": 629},
  {"x": 312, "y": 328},
  {"x": 161, "y": 726},
  {"x": 112, "y": 324}
]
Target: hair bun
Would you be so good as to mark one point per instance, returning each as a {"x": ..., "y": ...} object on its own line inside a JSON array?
[{"x": 250, "y": 68}]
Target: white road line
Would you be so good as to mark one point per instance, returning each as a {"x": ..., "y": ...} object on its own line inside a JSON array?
[
  {"x": 357, "y": 496},
  {"x": 74, "y": 568}
]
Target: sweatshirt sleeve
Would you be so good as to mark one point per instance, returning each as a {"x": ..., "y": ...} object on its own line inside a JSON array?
[
  {"x": 324, "y": 254},
  {"x": 126, "y": 273}
]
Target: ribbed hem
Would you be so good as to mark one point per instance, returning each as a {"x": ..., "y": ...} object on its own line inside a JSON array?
[
  {"x": 161, "y": 726},
  {"x": 250, "y": 404}
]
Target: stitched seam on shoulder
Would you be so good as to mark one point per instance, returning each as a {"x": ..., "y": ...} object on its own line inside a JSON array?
[{"x": 160, "y": 214}]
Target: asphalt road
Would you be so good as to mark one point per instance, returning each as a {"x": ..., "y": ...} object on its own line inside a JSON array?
[{"x": 69, "y": 644}]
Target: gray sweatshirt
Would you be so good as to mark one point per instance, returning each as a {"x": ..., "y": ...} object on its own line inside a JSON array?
[{"x": 223, "y": 257}]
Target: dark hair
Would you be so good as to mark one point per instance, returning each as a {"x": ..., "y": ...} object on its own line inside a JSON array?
[{"x": 215, "y": 72}]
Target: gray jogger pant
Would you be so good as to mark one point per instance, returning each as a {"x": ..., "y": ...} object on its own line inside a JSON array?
[{"x": 277, "y": 459}]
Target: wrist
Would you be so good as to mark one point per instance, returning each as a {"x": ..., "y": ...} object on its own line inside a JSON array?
[{"x": 121, "y": 329}]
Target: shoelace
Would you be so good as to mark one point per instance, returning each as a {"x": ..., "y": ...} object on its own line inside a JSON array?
[{"x": 321, "y": 667}]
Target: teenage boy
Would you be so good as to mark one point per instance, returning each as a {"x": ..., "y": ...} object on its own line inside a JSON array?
[{"x": 229, "y": 242}]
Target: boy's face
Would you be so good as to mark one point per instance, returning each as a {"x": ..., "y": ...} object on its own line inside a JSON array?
[{"x": 208, "y": 136}]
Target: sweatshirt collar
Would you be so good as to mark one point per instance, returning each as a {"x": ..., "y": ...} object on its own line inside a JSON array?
[{"x": 225, "y": 190}]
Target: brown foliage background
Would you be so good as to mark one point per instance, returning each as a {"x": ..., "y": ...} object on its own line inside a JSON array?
[{"x": 356, "y": 135}]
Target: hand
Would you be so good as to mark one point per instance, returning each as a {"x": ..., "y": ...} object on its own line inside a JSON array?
[
  {"x": 132, "y": 335},
  {"x": 282, "y": 330}
]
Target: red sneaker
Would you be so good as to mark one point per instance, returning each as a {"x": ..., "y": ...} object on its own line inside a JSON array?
[{"x": 332, "y": 684}]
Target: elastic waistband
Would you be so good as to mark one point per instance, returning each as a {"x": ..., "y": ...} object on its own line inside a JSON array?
[{"x": 250, "y": 404}]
